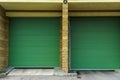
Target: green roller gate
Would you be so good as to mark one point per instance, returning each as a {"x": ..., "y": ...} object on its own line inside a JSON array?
[
  {"x": 95, "y": 42},
  {"x": 34, "y": 42}
]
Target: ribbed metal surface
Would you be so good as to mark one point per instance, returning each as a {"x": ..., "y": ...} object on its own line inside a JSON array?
[
  {"x": 34, "y": 42},
  {"x": 95, "y": 43}
]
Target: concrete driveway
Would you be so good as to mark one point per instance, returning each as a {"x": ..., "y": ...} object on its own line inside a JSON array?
[{"x": 51, "y": 75}]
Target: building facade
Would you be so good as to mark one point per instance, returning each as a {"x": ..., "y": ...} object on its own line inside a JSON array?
[{"x": 71, "y": 35}]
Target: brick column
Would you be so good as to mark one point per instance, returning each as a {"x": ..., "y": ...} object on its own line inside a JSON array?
[
  {"x": 3, "y": 40},
  {"x": 64, "y": 38}
]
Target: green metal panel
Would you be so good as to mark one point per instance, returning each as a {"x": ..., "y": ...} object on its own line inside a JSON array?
[
  {"x": 95, "y": 42},
  {"x": 34, "y": 42}
]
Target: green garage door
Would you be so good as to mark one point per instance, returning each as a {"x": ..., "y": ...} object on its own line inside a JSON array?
[
  {"x": 34, "y": 42},
  {"x": 95, "y": 43}
]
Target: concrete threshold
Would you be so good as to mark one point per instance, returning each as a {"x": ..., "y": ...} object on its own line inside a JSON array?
[
  {"x": 30, "y": 72},
  {"x": 57, "y": 74},
  {"x": 40, "y": 72}
]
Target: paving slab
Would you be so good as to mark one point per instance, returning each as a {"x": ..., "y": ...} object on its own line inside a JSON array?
[
  {"x": 24, "y": 72},
  {"x": 84, "y": 75}
]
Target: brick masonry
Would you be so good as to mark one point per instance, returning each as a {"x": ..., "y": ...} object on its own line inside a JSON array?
[
  {"x": 64, "y": 38},
  {"x": 3, "y": 40}
]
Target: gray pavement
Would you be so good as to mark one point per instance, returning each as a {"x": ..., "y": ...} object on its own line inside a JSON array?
[{"x": 85, "y": 75}]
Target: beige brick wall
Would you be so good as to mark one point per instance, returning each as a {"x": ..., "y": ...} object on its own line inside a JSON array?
[
  {"x": 3, "y": 39},
  {"x": 64, "y": 38}
]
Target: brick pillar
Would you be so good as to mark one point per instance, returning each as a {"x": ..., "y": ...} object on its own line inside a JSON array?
[
  {"x": 64, "y": 38},
  {"x": 3, "y": 40}
]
